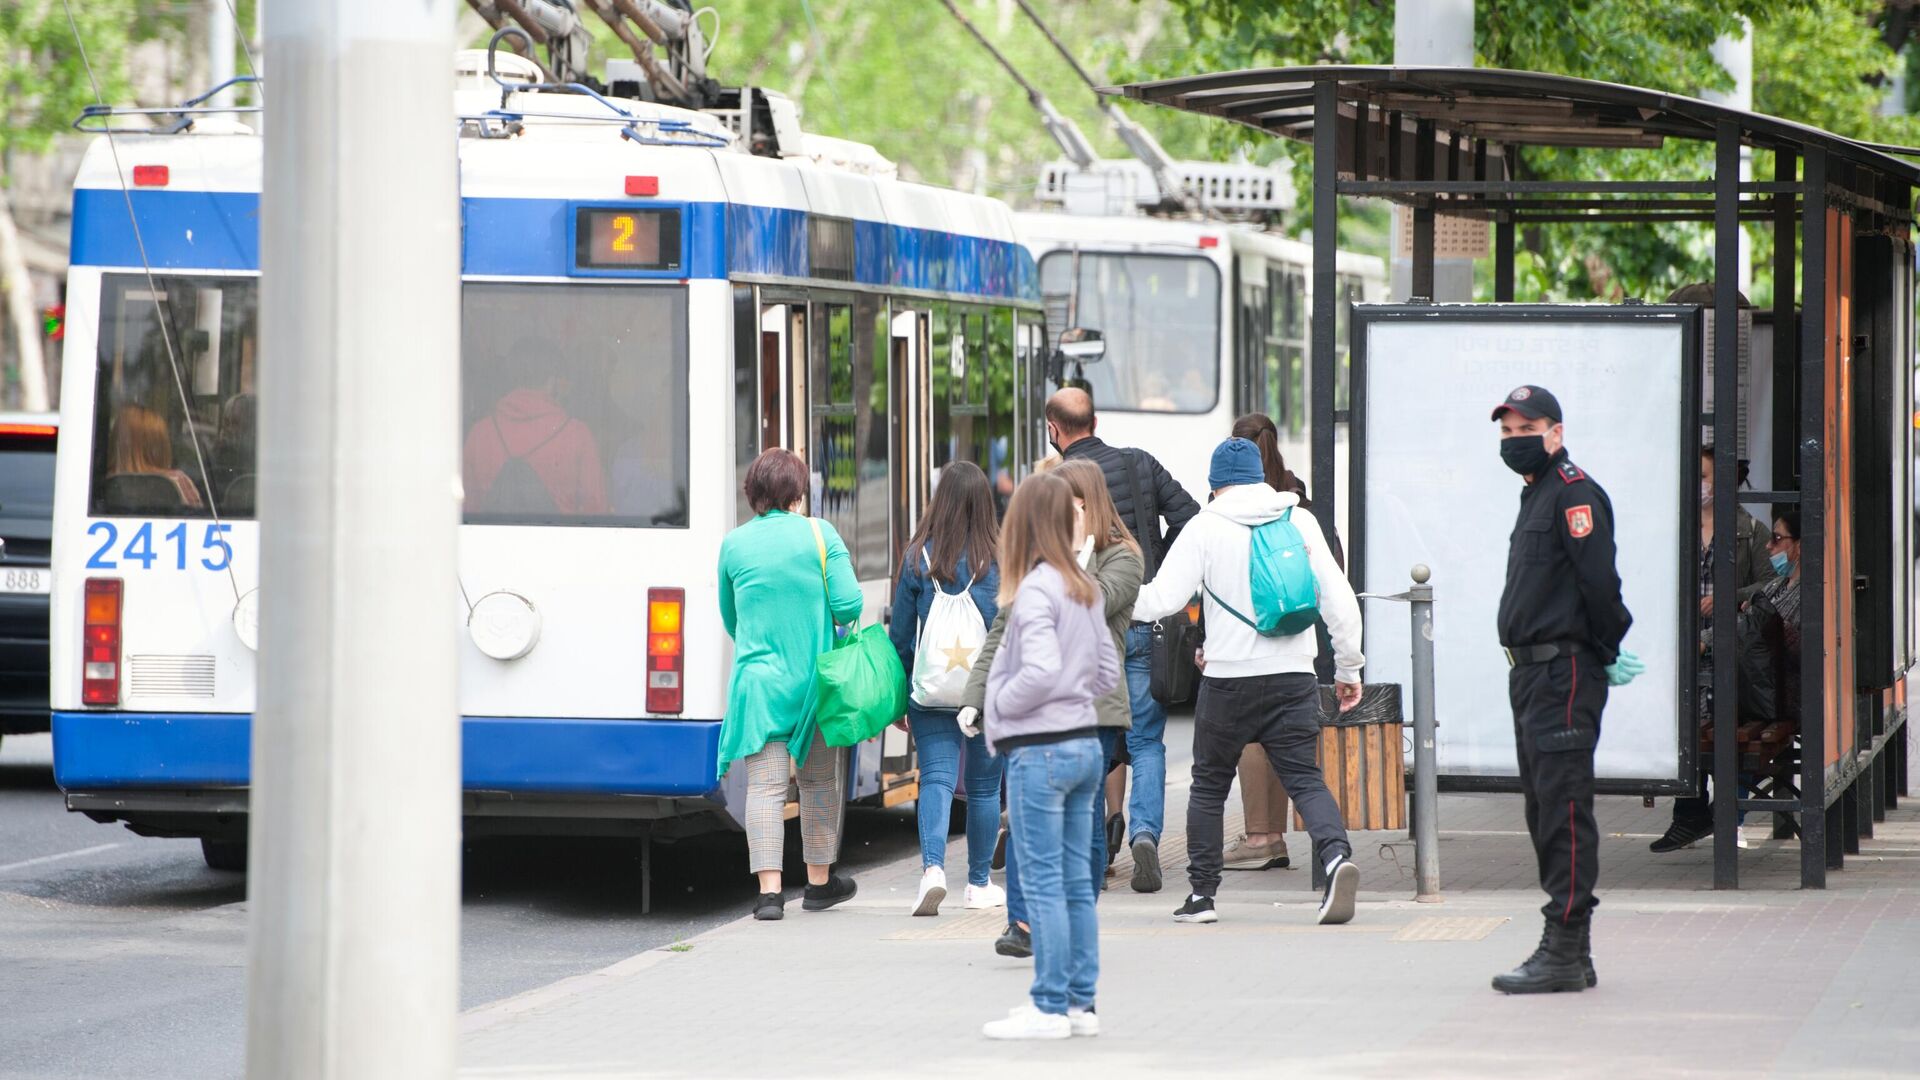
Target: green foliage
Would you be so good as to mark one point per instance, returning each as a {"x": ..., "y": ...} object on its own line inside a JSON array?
[
  {"x": 1815, "y": 61},
  {"x": 43, "y": 84}
]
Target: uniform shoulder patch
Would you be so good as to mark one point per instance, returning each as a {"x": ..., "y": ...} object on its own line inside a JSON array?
[
  {"x": 1580, "y": 521},
  {"x": 1570, "y": 472}
]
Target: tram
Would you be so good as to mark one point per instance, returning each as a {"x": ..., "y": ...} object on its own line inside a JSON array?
[
  {"x": 1204, "y": 319},
  {"x": 652, "y": 295}
]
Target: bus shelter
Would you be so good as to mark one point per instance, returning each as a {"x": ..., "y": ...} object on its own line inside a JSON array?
[{"x": 1836, "y": 391}]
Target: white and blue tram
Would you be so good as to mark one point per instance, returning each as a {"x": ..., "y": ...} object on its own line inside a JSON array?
[
  {"x": 650, "y": 299},
  {"x": 1203, "y": 320}
]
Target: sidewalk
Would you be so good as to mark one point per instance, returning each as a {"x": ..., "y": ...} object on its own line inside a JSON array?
[{"x": 1766, "y": 981}]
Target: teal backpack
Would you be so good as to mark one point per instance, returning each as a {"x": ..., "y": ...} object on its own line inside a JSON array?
[{"x": 1286, "y": 599}]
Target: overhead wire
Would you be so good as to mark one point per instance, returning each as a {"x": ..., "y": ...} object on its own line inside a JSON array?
[{"x": 153, "y": 284}]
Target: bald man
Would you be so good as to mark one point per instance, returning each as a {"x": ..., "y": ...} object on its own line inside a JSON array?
[{"x": 1145, "y": 495}]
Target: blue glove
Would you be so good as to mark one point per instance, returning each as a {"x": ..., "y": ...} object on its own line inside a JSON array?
[{"x": 1622, "y": 670}]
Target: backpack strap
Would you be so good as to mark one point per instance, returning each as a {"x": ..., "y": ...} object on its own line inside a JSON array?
[
  {"x": 1229, "y": 608},
  {"x": 1149, "y": 548}
]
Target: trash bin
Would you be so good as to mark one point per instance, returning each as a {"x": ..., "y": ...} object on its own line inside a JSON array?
[{"x": 1363, "y": 757}]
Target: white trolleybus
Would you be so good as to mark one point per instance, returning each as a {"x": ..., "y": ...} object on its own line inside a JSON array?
[
  {"x": 652, "y": 296},
  {"x": 1204, "y": 315}
]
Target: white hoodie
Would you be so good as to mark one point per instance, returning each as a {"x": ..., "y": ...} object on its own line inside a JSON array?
[{"x": 1212, "y": 550}]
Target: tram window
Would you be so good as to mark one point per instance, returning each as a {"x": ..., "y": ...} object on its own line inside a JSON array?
[
  {"x": 1351, "y": 291},
  {"x": 999, "y": 377},
  {"x": 1287, "y": 349},
  {"x": 174, "y": 409},
  {"x": 574, "y": 404},
  {"x": 746, "y": 399},
  {"x": 1161, "y": 318}
]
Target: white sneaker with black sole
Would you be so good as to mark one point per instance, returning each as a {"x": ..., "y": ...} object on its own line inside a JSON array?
[
  {"x": 1343, "y": 883},
  {"x": 933, "y": 889},
  {"x": 1197, "y": 909}
]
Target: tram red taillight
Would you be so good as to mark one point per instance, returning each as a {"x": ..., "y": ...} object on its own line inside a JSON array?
[
  {"x": 151, "y": 175},
  {"x": 665, "y": 640},
  {"x": 100, "y": 644}
]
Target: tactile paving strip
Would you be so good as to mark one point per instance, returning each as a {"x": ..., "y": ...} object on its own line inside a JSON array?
[{"x": 1448, "y": 928}]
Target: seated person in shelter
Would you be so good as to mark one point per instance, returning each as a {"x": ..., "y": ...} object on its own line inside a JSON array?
[
  {"x": 141, "y": 447},
  {"x": 528, "y": 455}
]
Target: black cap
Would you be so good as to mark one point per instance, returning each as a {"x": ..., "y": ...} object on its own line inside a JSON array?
[{"x": 1532, "y": 402}]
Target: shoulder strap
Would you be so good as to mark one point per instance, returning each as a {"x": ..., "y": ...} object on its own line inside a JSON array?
[
  {"x": 511, "y": 456},
  {"x": 826, "y": 592},
  {"x": 1148, "y": 548}
]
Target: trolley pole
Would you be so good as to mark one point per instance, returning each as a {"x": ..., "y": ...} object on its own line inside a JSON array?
[
  {"x": 353, "y": 931},
  {"x": 1426, "y": 779}
]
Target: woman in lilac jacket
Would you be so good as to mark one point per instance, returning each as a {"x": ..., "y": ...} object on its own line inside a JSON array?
[{"x": 1054, "y": 660}]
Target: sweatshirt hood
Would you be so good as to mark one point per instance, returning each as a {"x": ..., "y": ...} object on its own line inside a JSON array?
[{"x": 1252, "y": 504}]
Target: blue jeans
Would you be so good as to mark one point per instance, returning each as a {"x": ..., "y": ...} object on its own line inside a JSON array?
[
  {"x": 1017, "y": 897},
  {"x": 1050, "y": 791},
  {"x": 937, "y": 738},
  {"x": 1146, "y": 742}
]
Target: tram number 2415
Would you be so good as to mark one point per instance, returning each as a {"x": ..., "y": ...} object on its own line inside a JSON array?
[{"x": 167, "y": 549}]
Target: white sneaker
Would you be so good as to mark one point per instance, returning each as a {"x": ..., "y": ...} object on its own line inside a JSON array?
[
  {"x": 1027, "y": 1022},
  {"x": 1740, "y": 837},
  {"x": 933, "y": 889},
  {"x": 981, "y": 897},
  {"x": 1083, "y": 1021}
]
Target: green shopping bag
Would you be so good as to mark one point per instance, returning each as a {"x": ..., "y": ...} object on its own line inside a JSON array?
[{"x": 859, "y": 686}]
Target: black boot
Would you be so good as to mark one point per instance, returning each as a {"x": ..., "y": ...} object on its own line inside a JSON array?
[
  {"x": 1554, "y": 966},
  {"x": 1586, "y": 954}
]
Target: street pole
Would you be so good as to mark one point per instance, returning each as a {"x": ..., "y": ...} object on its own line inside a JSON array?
[
  {"x": 354, "y": 898},
  {"x": 1426, "y": 769},
  {"x": 1432, "y": 33},
  {"x": 219, "y": 49}
]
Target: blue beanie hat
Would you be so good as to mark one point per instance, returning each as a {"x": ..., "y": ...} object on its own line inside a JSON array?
[{"x": 1235, "y": 461}]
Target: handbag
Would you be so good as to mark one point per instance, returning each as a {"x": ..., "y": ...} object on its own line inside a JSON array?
[
  {"x": 1171, "y": 673},
  {"x": 858, "y": 685}
]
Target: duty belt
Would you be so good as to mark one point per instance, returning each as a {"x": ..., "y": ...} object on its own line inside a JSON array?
[{"x": 1540, "y": 654}]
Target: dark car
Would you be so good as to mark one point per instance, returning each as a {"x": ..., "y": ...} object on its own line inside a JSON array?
[{"x": 26, "y": 576}]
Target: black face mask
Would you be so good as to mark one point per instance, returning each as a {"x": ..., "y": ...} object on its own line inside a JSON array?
[{"x": 1525, "y": 454}]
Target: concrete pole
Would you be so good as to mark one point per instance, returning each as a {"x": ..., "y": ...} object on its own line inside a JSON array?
[
  {"x": 1734, "y": 53},
  {"x": 353, "y": 930},
  {"x": 219, "y": 49},
  {"x": 1432, "y": 33}
]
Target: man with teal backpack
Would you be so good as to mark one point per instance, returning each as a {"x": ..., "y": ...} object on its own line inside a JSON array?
[{"x": 1266, "y": 574}]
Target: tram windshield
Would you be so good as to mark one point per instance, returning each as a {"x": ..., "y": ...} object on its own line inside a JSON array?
[
  {"x": 174, "y": 408},
  {"x": 1160, "y": 315},
  {"x": 574, "y": 404}
]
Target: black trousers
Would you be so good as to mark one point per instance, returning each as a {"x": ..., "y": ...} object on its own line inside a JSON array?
[
  {"x": 1556, "y": 724},
  {"x": 1282, "y": 714}
]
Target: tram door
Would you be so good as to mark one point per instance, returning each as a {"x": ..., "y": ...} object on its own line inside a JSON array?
[{"x": 906, "y": 455}]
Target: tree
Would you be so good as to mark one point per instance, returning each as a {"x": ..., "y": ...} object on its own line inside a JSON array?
[
  {"x": 44, "y": 84},
  {"x": 1816, "y": 61}
]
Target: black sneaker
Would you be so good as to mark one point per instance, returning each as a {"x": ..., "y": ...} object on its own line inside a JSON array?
[
  {"x": 1014, "y": 942},
  {"x": 822, "y": 897},
  {"x": 1197, "y": 909},
  {"x": 1681, "y": 834},
  {"x": 1343, "y": 882},
  {"x": 1146, "y": 864},
  {"x": 770, "y": 907}
]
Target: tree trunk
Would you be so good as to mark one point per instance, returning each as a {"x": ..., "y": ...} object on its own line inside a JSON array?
[{"x": 19, "y": 300}]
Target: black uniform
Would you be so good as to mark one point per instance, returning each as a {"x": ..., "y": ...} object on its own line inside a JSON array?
[{"x": 1562, "y": 621}]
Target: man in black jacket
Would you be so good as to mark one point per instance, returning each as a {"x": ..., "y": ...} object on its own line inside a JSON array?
[{"x": 1145, "y": 495}]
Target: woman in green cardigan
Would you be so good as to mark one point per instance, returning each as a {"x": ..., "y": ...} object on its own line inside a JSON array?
[{"x": 785, "y": 581}]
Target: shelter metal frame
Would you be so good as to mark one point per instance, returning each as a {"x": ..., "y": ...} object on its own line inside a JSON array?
[{"x": 1443, "y": 140}]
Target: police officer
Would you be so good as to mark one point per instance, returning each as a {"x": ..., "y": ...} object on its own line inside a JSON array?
[{"x": 1561, "y": 623}]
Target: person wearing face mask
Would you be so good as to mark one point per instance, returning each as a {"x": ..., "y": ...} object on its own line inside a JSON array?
[
  {"x": 1561, "y": 623},
  {"x": 1693, "y": 815}
]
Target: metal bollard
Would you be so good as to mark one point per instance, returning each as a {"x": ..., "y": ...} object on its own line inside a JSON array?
[
  {"x": 1426, "y": 779},
  {"x": 1426, "y": 769}
]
